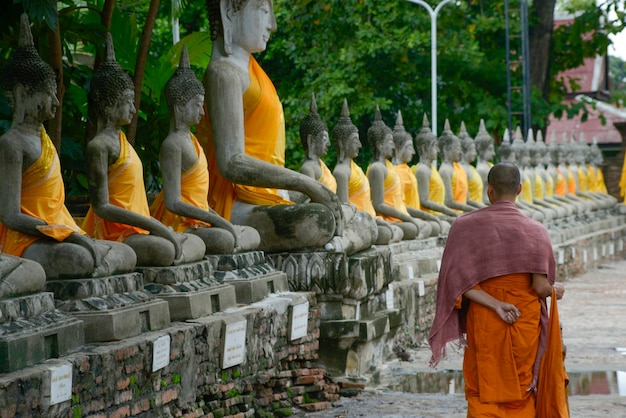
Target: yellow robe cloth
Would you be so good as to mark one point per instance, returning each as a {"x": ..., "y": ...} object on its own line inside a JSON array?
[
  {"x": 393, "y": 192},
  {"x": 592, "y": 179},
  {"x": 459, "y": 183},
  {"x": 539, "y": 191},
  {"x": 475, "y": 183},
  {"x": 43, "y": 197},
  {"x": 194, "y": 188},
  {"x": 622, "y": 182},
  {"x": 560, "y": 185},
  {"x": 583, "y": 179},
  {"x": 549, "y": 185},
  {"x": 570, "y": 180},
  {"x": 527, "y": 189},
  {"x": 409, "y": 186},
  {"x": 126, "y": 190},
  {"x": 601, "y": 183},
  {"x": 264, "y": 130},
  {"x": 499, "y": 358},
  {"x": 327, "y": 178},
  {"x": 436, "y": 188},
  {"x": 359, "y": 193}
]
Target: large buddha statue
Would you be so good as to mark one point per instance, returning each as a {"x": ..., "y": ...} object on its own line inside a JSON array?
[
  {"x": 453, "y": 175},
  {"x": 119, "y": 206},
  {"x": 353, "y": 187},
  {"x": 34, "y": 222},
  {"x": 429, "y": 183},
  {"x": 569, "y": 169},
  {"x": 486, "y": 152},
  {"x": 243, "y": 135},
  {"x": 595, "y": 161},
  {"x": 579, "y": 169},
  {"x": 182, "y": 204},
  {"x": 403, "y": 153},
  {"x": 385, "y": 185},
  {"x": 474, "y": 181}
]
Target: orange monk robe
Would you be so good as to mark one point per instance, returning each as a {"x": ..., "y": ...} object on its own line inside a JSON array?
[
  {"x": 459, "y": 183},
  {"x": 327, "y": 178},
  {"x": 475, "y": 183},
  {"x": 264, "y": 131},
  {"x": 436, "y": 189},
  {"x": 527, "y": 189},
  {"x": 560, "y": 184},
  {"x": 393, "y": 192},
  {"x": 194, "y": 187},
  {"x": 583, "y": 180},
  {"x": 359, "y": 193},
  {"x": 126, "y": 190},
  {"x": 409, "y": 186},
  {"x": 43, "y": 197}
]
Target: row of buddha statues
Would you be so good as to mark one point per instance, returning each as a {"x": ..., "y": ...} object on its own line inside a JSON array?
[{"x": 252, "y": 200}]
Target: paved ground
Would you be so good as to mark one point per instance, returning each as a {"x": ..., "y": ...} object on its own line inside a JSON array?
[{"x": 593, "y": 315}]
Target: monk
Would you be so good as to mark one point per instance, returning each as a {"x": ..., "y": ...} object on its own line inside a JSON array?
[
  {"x": 34, "y": 222},
  {"x": 497, "y": 269},
  {"x": 182, "y": 204},
  {"x": 353, "y": 187},
  {"x": 119, "y": 206},
  {"x": 486, "y": 152},
  {"x": 243, "y": 136}
]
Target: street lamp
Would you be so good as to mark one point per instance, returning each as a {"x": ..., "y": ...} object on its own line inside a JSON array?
[{"x": 433, "y": 55}]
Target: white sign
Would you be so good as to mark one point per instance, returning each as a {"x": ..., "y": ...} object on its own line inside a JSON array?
[
  {"x": 411, "y": 275},
  {"x": 561, "y": 257},
  {"x": 603, "y": 250},
  {"x": 584, "y": 256},
  {"x": 611, "y": 249},
  {"x": 573, "y": 252},
  {"x": 60, "y": 383},
  {"x": 234, "y": 351},
  {"x": 420, "y": 288},
  {"x": 438, "y": 265},
  {"x": 620, "y": 245},
  {"x": 299, "y": 321},
  {"x": 161, "y": 352},
  {"x": 389, "y": 297},
  {"x": 595, "y": 253}
]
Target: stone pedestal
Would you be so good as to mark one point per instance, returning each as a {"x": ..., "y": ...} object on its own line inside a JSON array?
[
  {"x": 190, "y": 290},
  {"x": 112, "y": 308},
  {"x": 32, "y": 330},
  {"x": 249, "y": 273}
]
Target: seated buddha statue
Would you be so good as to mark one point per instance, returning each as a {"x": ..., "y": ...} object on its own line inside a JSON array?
[
  {"x": 34, "y": 221},
  {"x": 595, "y": 162},
  {"x": 353, "y": 187},
  {"x": 243, "y": 135},
  {"x": 403, "y": 153},
  {"x": 182, "y": 204},
  {"x": 569, "y": 169},
  {"x": 385, "y": 185},
  {"x": 474, "y": 181},
  {"x": 119, "y": 206},
  {"x": 580, "y": 150},
  {"x": 486, "y": 151},
  {"x": 430, "y": 186}
]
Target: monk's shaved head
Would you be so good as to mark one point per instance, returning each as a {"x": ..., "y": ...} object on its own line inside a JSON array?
[{"x": 505, "y": 179}]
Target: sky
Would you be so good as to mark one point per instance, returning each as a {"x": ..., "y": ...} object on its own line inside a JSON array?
[{"x": 618, "y": 49}]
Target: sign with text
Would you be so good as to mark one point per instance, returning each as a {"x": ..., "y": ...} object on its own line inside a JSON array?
[
  {"x": 161, "y": 352},
  {"x": 299, "y": 321},
  {"x": 234, "y": 349},
  {"x": 60, "y": 383}
]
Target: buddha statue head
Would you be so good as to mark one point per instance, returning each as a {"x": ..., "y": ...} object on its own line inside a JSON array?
[
  {"x": 346, "y": 135},
  {"x": 449, "y": 144},
  {"x": 380, "y": 138},
  {"x": 518, "y": 147},
  {"x": 554, "y": 150},
  {"x": 467, "y": 144},
  {"x": 426, "y": 142},
  {"x": 314, "y": 133},
  {"x": 112, "y": 91},
  {"x": 596, "y": 152},
  {"x": 484, "y": 143},
  {"x": 581, "y": 150},
  {"x": 28, "y": 81},
  {"x": 567, "y": 155},
  {"x": 184, "y": 92},
  {"x": 541, "y": 149},
  {"x": 505, "y": 151},
  {"x": 403, "y": 142},
  {"x": 534, "y": 156},
  {"x": 246, "y": 23}
]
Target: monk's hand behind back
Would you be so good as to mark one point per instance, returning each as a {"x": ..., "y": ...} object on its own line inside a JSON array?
[{"x": 507, "y": 312}]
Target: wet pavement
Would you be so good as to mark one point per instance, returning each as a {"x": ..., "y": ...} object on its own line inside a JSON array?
[{"x": 593, "y": 317}]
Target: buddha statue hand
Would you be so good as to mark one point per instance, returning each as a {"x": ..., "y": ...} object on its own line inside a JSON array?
[
  {"x": 322, "y": 194},
  {"x": 86, "y": 242}
]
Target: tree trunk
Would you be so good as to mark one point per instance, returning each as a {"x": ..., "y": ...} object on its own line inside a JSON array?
[
  {"x": 542, "y": 15},
  {"x": 140, "y": 64},
  {"x": 56, "y": 62}
]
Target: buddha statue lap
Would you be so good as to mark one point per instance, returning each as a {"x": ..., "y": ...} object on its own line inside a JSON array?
[
  {"x": 486, "y": 151},
  {"x": 34, "y": 221},
  {"x": 119, "y": 206}
]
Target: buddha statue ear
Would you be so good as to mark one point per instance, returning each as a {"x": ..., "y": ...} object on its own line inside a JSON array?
[
  {"x": 310, "y": 143},
  {"x": 226, "y": 12},
  {"x": 19, "y": 97}
]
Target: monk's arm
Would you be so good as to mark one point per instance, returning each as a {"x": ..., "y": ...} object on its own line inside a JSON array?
[
  {"x": 507, "y": 312},
  {"x": 543, "y": 288}
]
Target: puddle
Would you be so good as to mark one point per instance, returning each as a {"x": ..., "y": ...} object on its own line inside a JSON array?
[{"x": 580, "y": 383}]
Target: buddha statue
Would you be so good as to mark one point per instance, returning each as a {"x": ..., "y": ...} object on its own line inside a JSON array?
[
  {"x": 568, "y": 167},
  {"x": 119, "y": 206},
  {"x": 34, "y": 221},
  {"x": 595, "y": 162},
  {"x": 385, "y": 185},
  {"x": 544, "y": 182},
  {"x": 453, "y": 175},
  {"x": 182, "y": 204},
  {"x": 485, "y": 150},
  {"x": 243, "y": 135},
  {"x": 556, "y": 169},
  {"x": 468, "y": 156},
  {"x": 360, "y": 230},
  {"x": 403, "y": 153},
  {"x": 353, "y": 187},
  {"x": 430, "y": 186},
  {"x": 580, "y": 150}
]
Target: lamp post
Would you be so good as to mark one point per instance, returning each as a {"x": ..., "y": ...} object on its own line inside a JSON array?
[{"x": 433, "y": 56}]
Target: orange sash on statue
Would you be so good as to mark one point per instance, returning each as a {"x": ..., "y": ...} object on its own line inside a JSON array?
[
  {"x": 393, "y": 192},
  {"x": 592, "y": 179},
  {"x": 571, "y": 181},
  {"x": 327, "y": 178},
  {"x": 409, "y": 186},
  {"x": 459, "y": 183},
  {"x": 43, "y": 197},
  {"x": 560, "y": 184},
  {"x": 527, "y": 189},
  {"x": 583, "y": 180},
  {"x": 127, "y": 191},
  {"x": 539, "y": 191},
  {"x": 359, "y": 191},
  {"x": 549, "y": 185},
  {"x": 475, "y": 183},
  {"x": 436, "y": 188},
  {"x": 194, "y": 187},
  {"x": 601, "y": 183},
  {"x": 264, "y": 130}
]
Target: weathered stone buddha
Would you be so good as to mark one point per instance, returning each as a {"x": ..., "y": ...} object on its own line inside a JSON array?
[
  {"x": 486, "y": 152},
  {"x": 579, "y": 169},
  {"x": 569, "y": 169},
  {"x": 429, "y": 183},
  {"x": 353, "y": 187},
  {"x": 595, "y": 161},
  {"x": 474, "y": 181},
  {"x": 119, "y": 206},
  {"x": 360, "y": 230},
  {"x": 555, "y": 168},
  {"x": 243, "y": 137},
  {"x": 182, "y": 204},
  {"x": 385, "y": 185},
  {"x": 451, "y": 172},
  {"x": 403, "y": 153},
  {"x": 34, "y": 222}
]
